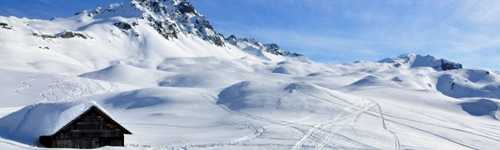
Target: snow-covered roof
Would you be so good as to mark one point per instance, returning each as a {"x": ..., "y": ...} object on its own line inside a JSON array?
[{"x": 29, "y": 123}]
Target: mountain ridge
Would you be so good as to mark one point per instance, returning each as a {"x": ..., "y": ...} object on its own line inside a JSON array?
[{"x": 169, "y": 17}]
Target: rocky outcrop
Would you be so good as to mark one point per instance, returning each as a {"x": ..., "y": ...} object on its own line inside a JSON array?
[
  {"x": 64, "y": 35},
  {"x": 5, "y": 26},
  {"x": 448, "y": 65},
  {"x": 69, "y": 34},
  {"x": 275, "y": 49},
  {"x": 174, "y": 16},
  {"x": 185, "y": 7},
  {"x": 247, "y": 43},
  {"x": 123, "y": 25}
]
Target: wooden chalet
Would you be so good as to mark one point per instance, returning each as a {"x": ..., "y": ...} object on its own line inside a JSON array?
[{"x": 91, "y": 129}]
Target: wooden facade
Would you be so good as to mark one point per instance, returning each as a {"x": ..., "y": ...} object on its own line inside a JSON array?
[{"x": 92, "y": 129}]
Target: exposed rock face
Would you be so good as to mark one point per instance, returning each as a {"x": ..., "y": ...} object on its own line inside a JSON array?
[
  {"x": 65, "y": 35},
  {"x": 185, "y": 7},
  {"x": 275, "y": 49},
  {"x": 246, "y": 43},
  {"x": 45, "y": 36},
  {"x": 174, "y": 16},
  {"x": 448, "y": 65},
  {"x": 232, "y": 40},
  {"x": 5, "y": 25},
  {"x": 69, "y": 34},
  {"x": 123, "y": 25}
]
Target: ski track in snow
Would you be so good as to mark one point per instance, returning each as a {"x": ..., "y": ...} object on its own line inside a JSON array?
[
  {"x": 325, "y": 130},
  {"x": 397, "y": 144},
  {"x": 484, "y": 135},
  {"x": 424, "y": 131},
  {"x": 339, "y": 122},
  {"x": 321, "y": 133}
]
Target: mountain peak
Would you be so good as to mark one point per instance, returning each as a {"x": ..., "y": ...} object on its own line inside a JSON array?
[
  {"x": 167, "y": 17},
  {"x": 413, "y": 60},
  {"x": 171, "y": 17}
]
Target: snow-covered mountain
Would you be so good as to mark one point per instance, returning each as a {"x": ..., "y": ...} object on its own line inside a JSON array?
[
  {"x": 142, "y": 33},
  {"x": 414, "y": 61},
  {"x": 175, "y": 82}
]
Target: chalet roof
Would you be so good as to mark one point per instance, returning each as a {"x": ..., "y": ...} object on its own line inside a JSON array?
[{"x": 33, "y": 121}]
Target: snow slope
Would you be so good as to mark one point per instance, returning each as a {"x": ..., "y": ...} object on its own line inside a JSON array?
[{"x": 175, "y": 83}]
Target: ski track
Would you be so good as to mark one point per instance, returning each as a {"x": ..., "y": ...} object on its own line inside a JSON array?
[
  {"x": 326, "y": 130},
  {"x": 308, "y": 134},
  {"x": 337, "y": 122},
  {"x": 261, "y": 131},
  {"x": 494, "y": 138},
  {"x": 381, "y": 115},
  {"x": 426, "y": 132},
  {"x": 339, "y": 126},
  {"x": 352, "y": 105}
]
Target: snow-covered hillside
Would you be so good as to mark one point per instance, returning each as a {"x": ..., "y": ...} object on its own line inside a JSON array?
[
  {"x": 165, "y": 73},
  {"x": 140, "y": 33}
]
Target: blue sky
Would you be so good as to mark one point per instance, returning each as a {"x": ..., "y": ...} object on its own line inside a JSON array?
[
  {"x": 346, "y": 30},
  {"x": 338, "y": 31}
]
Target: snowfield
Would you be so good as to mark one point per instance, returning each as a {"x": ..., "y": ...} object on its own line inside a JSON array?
[{"x": 192, "y": 92}]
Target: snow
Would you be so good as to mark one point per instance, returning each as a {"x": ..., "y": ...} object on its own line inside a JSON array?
[
  {"x": 31, "y": 122},
  {"x": 189, "y": 93},
  {"x": 126, "y": 74},
  {"x": 469, "y": 83}
]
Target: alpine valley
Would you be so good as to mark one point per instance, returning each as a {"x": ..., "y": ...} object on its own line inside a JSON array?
[{"x": 164, "y": 72}]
